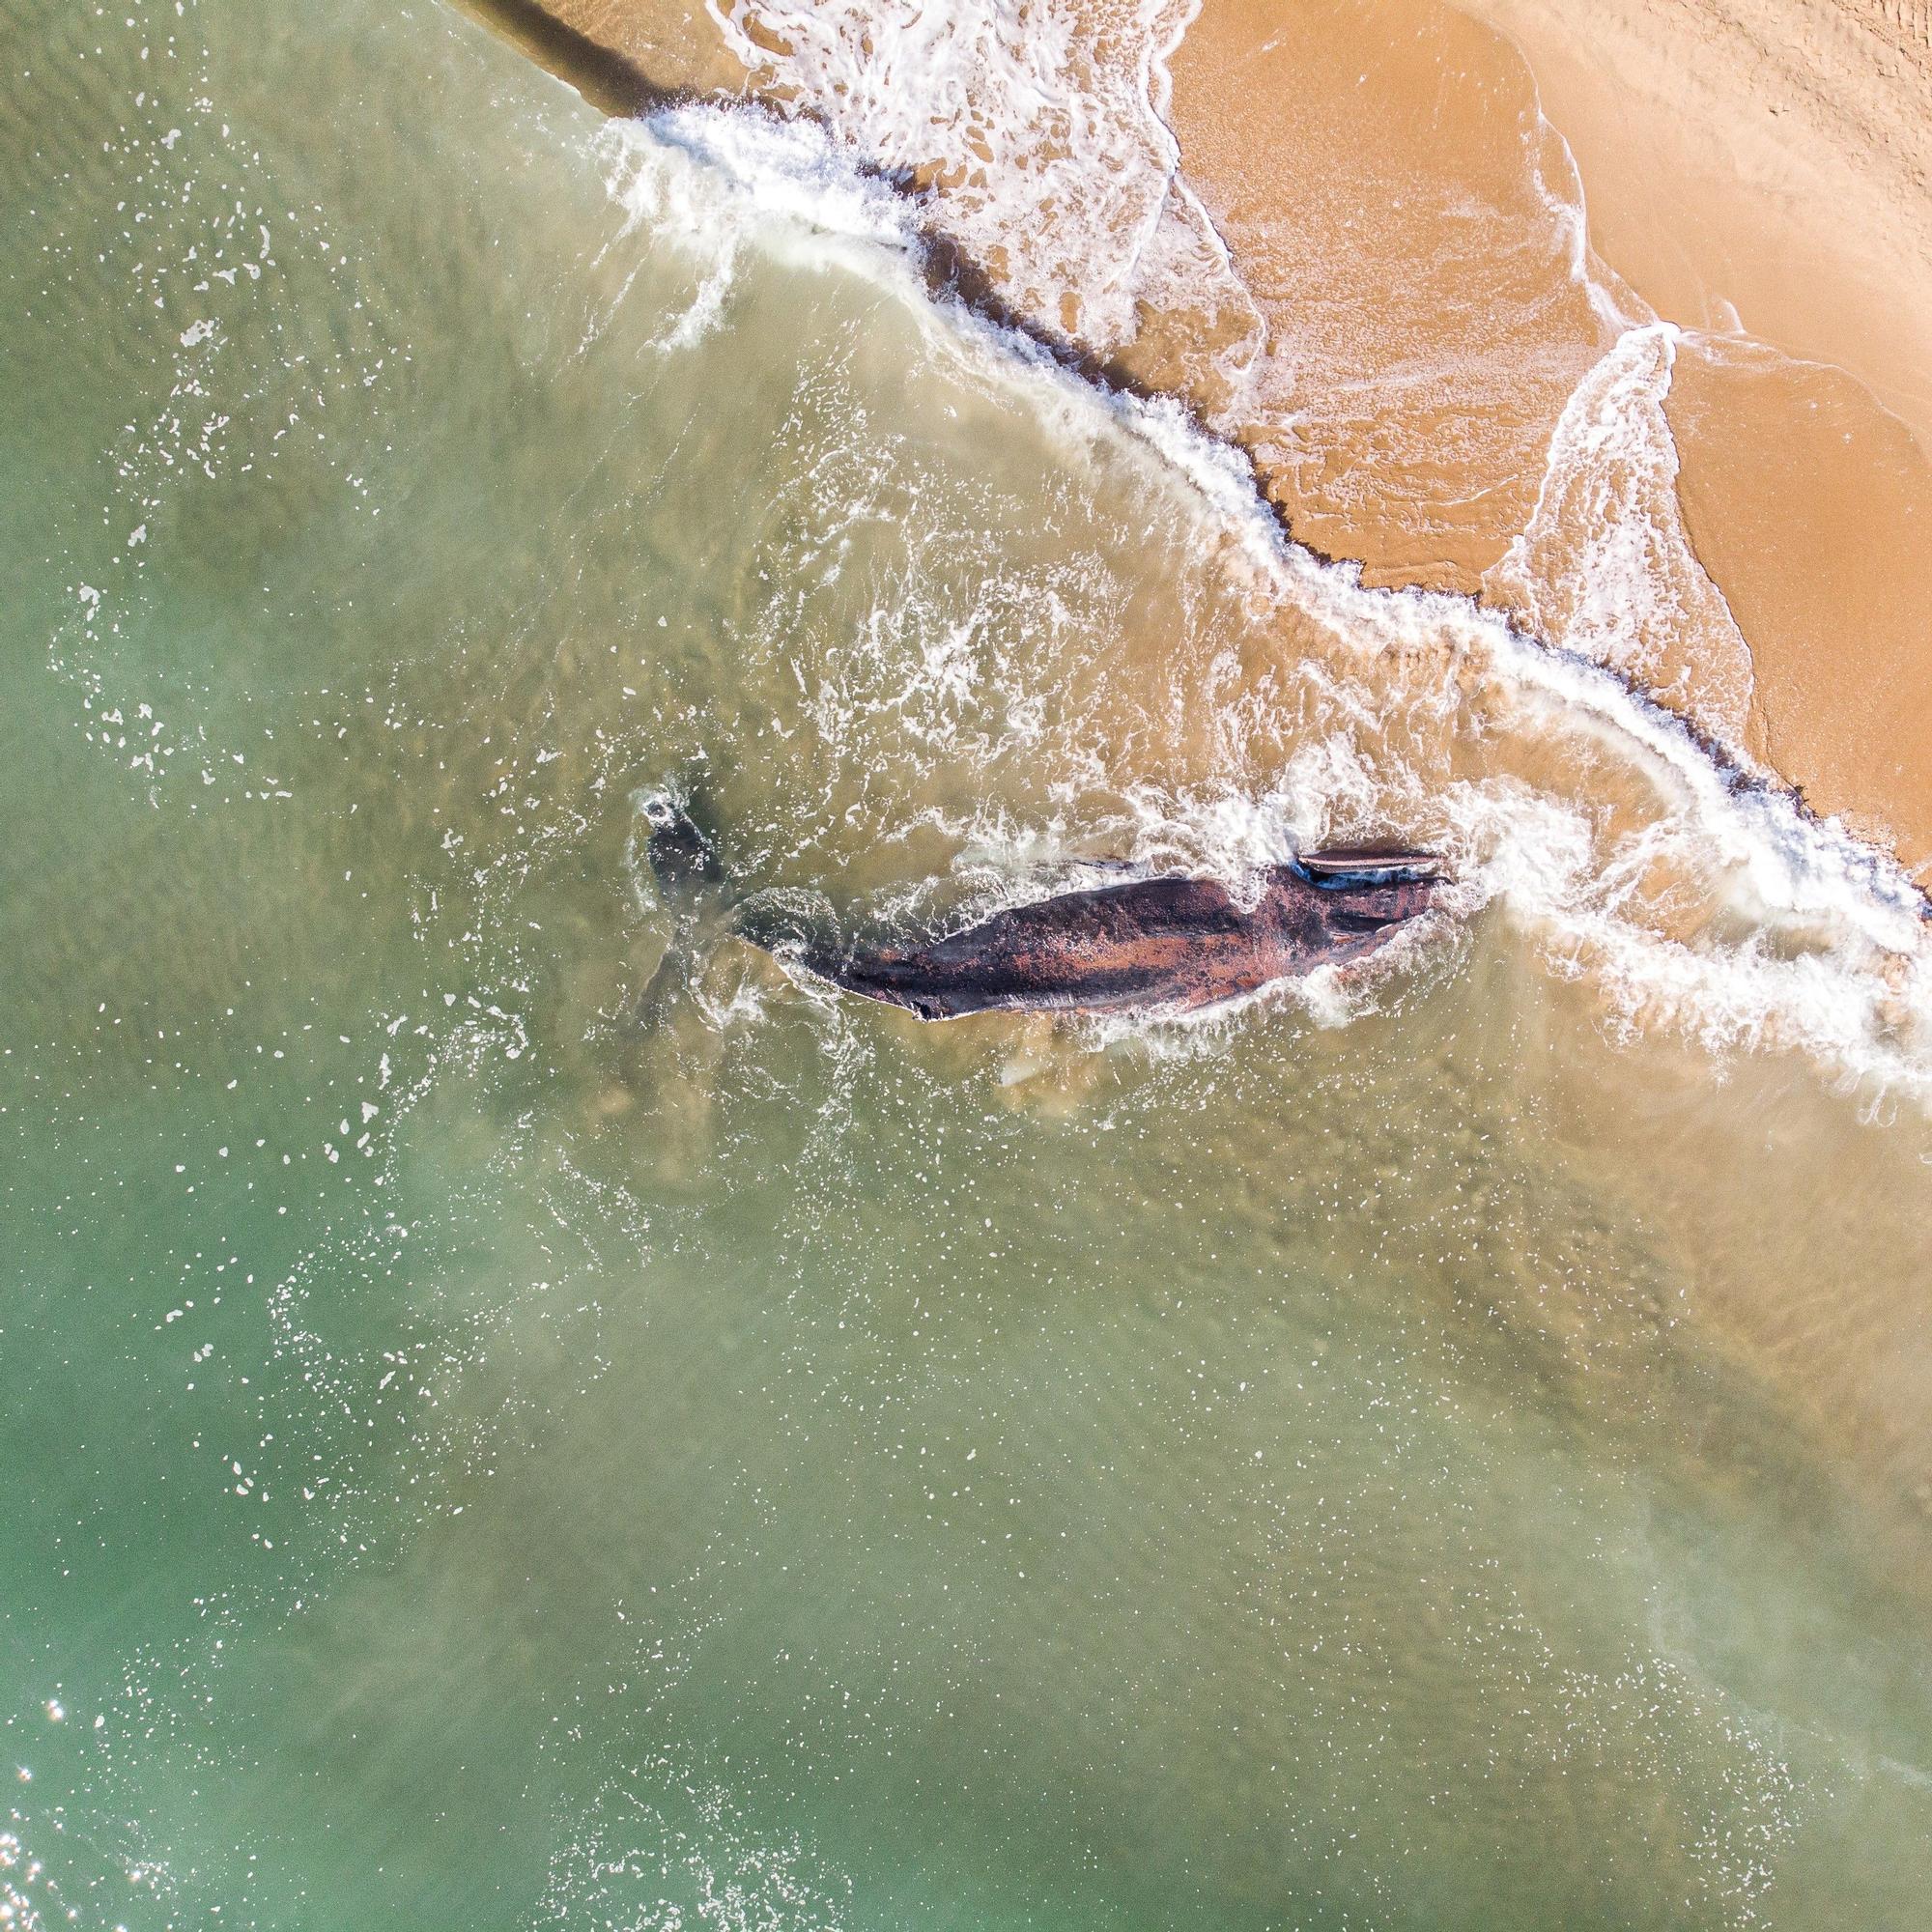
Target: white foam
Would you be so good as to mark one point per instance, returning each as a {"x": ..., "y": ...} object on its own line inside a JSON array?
[
  {"x": 788, "y": 172},
  {"x": 1605, "y": 566},
  {"x": 1044, "y": 122},
  {"x": 714, "y": 182}
]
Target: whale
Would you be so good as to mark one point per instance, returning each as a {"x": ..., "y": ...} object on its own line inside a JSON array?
[{"x": 1172, "y": 942}]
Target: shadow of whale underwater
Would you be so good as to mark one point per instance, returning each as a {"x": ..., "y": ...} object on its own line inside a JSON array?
[{"x": 1162, "y": 945}]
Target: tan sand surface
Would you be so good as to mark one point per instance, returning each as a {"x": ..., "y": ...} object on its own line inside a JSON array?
[
  {"x": 1373, "y": 166},
  {"x": 1812, "y": 511},
  {"x": 1768, "y": 161}
]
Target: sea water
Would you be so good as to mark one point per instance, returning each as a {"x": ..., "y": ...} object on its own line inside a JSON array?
[{"x": 1439, "y": 1448}]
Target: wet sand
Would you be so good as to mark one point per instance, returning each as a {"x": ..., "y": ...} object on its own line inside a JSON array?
[
  {"x": 1762, "y": 166},
  {"x": 1434, "y": 366},
  {"x": 1424, "y": 329},
  {"x": 1812, "y": 509}
]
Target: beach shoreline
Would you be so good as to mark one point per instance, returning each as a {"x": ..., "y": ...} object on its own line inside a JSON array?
[{"x": 1403, "y": 405}]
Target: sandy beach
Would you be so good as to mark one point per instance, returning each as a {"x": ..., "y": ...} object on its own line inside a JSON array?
[{"x": 1613, "y": 316}]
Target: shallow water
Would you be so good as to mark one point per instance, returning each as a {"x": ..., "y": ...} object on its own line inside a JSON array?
[{"x": 1445, "y": 1449}]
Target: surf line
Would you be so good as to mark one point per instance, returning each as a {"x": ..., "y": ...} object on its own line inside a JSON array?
[{"x": 620, "y": 89}]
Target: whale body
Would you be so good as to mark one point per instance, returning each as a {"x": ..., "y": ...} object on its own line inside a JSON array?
[
  {"x": 1167, "y": 945},
  {"x": 1171, "y": 944}
]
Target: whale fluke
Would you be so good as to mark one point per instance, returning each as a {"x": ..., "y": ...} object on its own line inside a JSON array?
[{"x": 680, "y": 853}]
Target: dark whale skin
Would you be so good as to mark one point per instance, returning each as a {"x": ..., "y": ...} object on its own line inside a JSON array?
[{"x": 1168, "y": 944}]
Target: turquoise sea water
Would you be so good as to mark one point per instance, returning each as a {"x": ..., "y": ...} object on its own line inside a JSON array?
[{"x": 1439, "y": 1456}]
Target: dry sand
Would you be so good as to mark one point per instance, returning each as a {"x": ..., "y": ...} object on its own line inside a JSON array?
[{"x": 1397, "y": 205}]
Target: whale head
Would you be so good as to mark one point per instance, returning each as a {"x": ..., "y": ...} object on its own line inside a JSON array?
[{"x": 1343, "y": 902}]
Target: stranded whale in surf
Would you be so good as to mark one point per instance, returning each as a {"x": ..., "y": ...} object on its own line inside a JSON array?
[{"x": 1160, "y": 945}]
